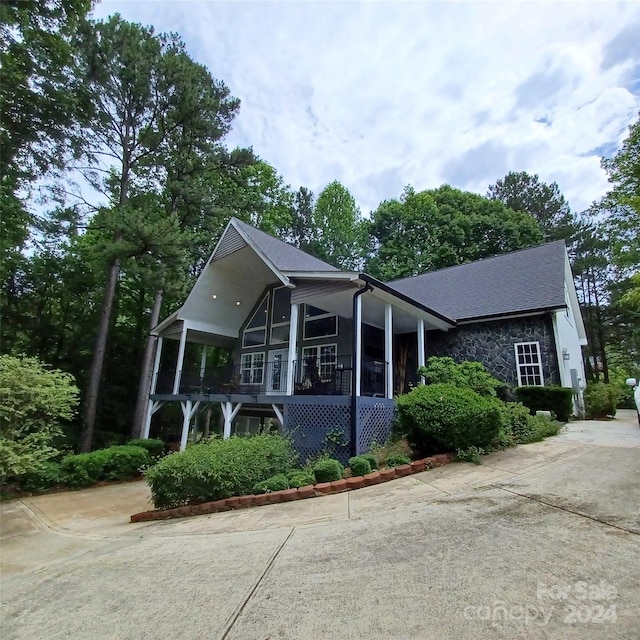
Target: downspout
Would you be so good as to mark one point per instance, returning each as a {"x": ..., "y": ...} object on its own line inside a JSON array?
[{"x": 354, "y": 358}]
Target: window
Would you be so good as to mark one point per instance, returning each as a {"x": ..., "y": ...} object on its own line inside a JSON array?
[
  {"x": 318, "y": 323},
  {"x": 323, "y": 358},
  {"x": 280, "y": 315},
  {"x": 529, "y": 364},
  {"x": 252, "y": 368},
  {"x": 255, "y": 333}
]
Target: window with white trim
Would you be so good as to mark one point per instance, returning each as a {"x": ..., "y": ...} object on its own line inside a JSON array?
[
  {"x": 323, "y": 357},
  {"x": 529, "y": 364},
  {"x": 318, "y": 323},
  {"x": 252, "y": 368},
  {"x": 255, "y": 333},
  {"x": 280, "y": 315}
]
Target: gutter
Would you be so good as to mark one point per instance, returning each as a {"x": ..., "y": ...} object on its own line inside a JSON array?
[{"x": 354, "y": 376}]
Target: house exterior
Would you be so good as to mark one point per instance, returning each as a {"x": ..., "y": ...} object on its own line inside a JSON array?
[{"x": 321, "y": 352}]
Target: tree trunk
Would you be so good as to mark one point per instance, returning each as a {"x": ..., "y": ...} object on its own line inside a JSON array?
[
  {"x": 91, "y": 401},
  {"x": 146, "y": 371}
]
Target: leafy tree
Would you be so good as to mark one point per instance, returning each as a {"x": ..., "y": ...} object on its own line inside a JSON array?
[
  {"x": 522, "y": 191},
  {"x": 35, "y": 401},
  {"x": 428, "y": 230}
]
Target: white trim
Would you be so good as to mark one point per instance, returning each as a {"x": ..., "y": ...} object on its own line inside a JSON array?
[
  {"x": 318, "y": 355},
  {"x": 276, "y": 410},
  {"x": 277, "y": 324},
  {"x": 321, "y": 316},
  {"x": 388, "y": 348},
  {"x": 539, "y": 363},
  {"x": 324, "y": 275},
  {"x": 293, "y": 347},
  {"x": 284, "y": 353},
  {"x": 180, "y": 362},
  {"x": 421, "y": 347},
  {"x": 358, "y": 338},
  {"x": 251, "y": 368},
  {"x": 255, "y": 329}
]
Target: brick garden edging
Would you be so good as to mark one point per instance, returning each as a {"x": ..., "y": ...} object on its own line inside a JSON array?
[{"x": 287, "y": 495}]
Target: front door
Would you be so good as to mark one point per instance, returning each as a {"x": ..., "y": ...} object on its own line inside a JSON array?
[{"x": 277, "y": 372}]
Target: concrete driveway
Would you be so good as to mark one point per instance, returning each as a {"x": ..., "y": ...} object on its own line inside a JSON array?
[{"x": 539, "y": 542}]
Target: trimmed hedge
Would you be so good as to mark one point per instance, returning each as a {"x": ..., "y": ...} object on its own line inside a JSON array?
[
  {"x": 328, "y": 470},
  {"x": 359, "y": 466},
  {"x": 558, "y": 400},
  {"x": 600, "y": 400},
  {"x": 120, "y": 462},
  {"x": 48, "y": 475},
  {"x": 517, "y": 422},
  {"x": 397, "y": 460},
  {"x": 218, "y": 469},
  {"x": 373, "y": 461},
  {"x": 275, "y": 483},
  {"x": 154, "y": 446},
  {"x": 443, "y": 417},
  {"x": 299, "y": 479}
]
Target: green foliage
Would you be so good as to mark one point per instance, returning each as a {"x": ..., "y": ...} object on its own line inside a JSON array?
[
  {"x": 278, "y": 482},
  {"x": 154, "y": 446},
  {"x": 328, "y": 470},
  {"x": 373, "y": 461},
  {"x": 359, "y": 465},
  {"x": 517, "y": 421},
  {"x": 558, "y": 400},
  {"x": 397, "y": 460},
  {"x": 521, "y": 191},
  {"x": 470, "y": 454},
  {"x": 48, "y": 475},
  {"x": 120, "y": 462},
  {"x": 542, "y": 427},
  {"x": 300, "y": 478},
  {"x": 442, "y": 227},
  {"x": 445, "y": 417},
  {"x": 600, "y": 400},
  {"x": 219, "y": 469},
  {"x": 34, "y": 402},
  {"x": 471, "y": 374}
]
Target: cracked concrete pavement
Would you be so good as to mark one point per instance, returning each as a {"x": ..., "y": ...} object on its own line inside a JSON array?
[{"x": 507, "y": 549}]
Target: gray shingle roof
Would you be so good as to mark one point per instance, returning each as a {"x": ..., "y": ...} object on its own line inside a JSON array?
[
  {"x": 525, "y": 280},
  {"x": 285, "y": 257}
]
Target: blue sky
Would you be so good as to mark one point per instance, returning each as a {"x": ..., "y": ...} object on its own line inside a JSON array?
[{"x": 383, "y": 94}]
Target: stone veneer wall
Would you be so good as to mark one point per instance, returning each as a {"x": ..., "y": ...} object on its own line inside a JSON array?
[{"x": 491, "y": 343}]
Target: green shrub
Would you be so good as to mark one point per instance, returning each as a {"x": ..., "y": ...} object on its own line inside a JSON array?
[
  {"x": 154, "y": 446},
  {"x": 124, "y": 462},
  {"x": 299, "y": 479},
  {"x": 558, "y": 400},
  {"x": 328, "y": 470},
  {"x": 83, "y": 469},
  {"x": 275, "y": 483},
  {"x": 445, "y": 417},
  {"x": 600, "y": 400},
  {"x": 471, "y": 454},
  {"x": 397, "y": 460},
  {"x": 469, "y": 374},
  {"x": 373, "y": 461},
  {"x": 48, "y": 475},
  {"x": 517, "y": 422},
  {"x": 218, "y": 469},
  {"x": 359, "y": 465}
]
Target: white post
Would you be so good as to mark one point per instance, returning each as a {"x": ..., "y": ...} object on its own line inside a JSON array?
[
  {"x": 154, "y": 383},
  {"x": 276, "y": 410},
  {"x": 186, "y": 419},
  {"x": 388, "y": 349},
  {"x": 229, "y": 413},
  {"x": 293, "y": 348},
  {"x": 358, "y": 338},
  {"x": 203, "y": 361},
  {"x": 421, "y": 354},
  {"x": 183, "y": 341}
]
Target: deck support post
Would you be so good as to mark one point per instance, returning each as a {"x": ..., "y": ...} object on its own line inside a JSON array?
[
  {"x": 203, "y": 364},
  {"x": 358, "y": 348},
  {"x": 293, "y": 348},
  {"x": 151, "y": 409},
  {"x": 421, "y": 353},
  {"x": 388, "y": 349},
  {"x": 229, "y": 413},
  {"x": 276, "y": 410},
  {"x": 189, "y": 408},
  {"x": 179, "y": 363}
]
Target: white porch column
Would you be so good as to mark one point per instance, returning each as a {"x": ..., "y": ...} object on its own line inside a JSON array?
[
  {"x": 179, "y": 363},
  {"x": 293, "y": 348},
  {"x": 151, "y": 409},
  {"x": 203, "y": 361},
  {"x": 186, "y": 419},
  {"x": 421, "y": 353},
  {"x": 358, "y": 338},
  {"x": 229, "y": 413},
  {"x": 388, "y": 349}
]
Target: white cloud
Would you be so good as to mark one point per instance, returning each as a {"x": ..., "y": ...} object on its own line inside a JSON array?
[{"x": 378, "y": 95}]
